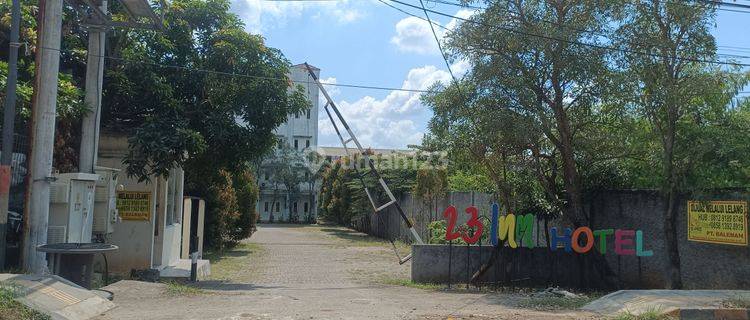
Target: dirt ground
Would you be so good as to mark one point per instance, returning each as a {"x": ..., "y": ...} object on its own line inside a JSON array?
[{"x": 314, "y": 272}]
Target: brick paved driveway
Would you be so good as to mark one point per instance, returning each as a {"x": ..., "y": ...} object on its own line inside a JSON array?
[{"x": 316, "y": 272}]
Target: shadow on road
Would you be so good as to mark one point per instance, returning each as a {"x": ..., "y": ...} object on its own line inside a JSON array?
[{"x": 221, "y": 285}]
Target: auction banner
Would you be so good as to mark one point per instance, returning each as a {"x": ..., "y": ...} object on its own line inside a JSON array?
[
  {"x": 722, "y": 222},
  {"x": 133, "y": 205}
]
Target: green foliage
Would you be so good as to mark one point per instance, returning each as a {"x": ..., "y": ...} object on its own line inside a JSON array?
[
  {"x": 10, "y": 309},
  {"x": 342, "y": 194},
  {"x": 550, "y": 303},
  {"x": 466, "y": 181},
  {"x": 175, "y": 288},
  {"x": 230, "y": 207},
  {"x": 335, "y": 195},
  {"x": 247, "y": 198},
  {"x": 542, "y": 122},
  {"x": 437, "y": 232},
  {"x": 199, "y": 120},
  {"x": 221, "y": 211},
  {"x": 430, "y": 183},
  {"x": 651, "y": 314}
]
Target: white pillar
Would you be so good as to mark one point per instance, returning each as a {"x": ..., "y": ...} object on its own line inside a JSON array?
[
  {"x": 93, "y": 98},
  {"x": 42, "y": 135}
]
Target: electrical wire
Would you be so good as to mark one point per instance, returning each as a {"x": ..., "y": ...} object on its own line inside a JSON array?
[
  {"x": 437, "y": 40},
  {"x": 719, "y": 4},
  {"x": 345, "y": 85},
  {"x": 736, "y": 49},
  {"x": 574, "y": 42}
]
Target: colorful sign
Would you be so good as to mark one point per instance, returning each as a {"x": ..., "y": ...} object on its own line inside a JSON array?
[
  {"x": 722, "y": 222},
  {"x": 517, "y": 231},
  {"x": 134, "y": 205}
]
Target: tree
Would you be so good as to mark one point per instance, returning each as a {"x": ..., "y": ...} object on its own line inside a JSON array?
[
  {"x": 314, "y": 167},
  {"x": 680, "y": 96},
  {"x": 70, "y": 105},
  {"x": 527, "y": 59},
  {"x": 335, "y": 194},
  {"x": 203, "y": 121},
  {"x": 431, "y": 184}
]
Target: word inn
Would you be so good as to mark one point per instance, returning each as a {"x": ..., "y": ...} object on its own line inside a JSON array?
[{"x": 517, "y": 231}]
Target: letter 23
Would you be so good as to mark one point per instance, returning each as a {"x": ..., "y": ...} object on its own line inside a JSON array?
[{"x": 474, "y": 222}]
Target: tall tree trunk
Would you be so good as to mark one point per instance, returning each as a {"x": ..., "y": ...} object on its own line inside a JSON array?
[
  {"x": 669, "y": 195},
  {"x": 574, "y": 207}
]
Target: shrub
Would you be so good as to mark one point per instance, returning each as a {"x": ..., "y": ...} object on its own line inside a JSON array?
[
  {"x": 247, "y": 197},
  {"x": 230, "y": 207},
  {"x": 221, "y": 211}
]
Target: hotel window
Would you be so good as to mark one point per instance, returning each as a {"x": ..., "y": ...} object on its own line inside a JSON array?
[
  {"x": 306, "y": 207},
  {"x": 294, "y": 208},
  {"x": 265, "y": 207},
  {"x": 296, "y": 144},
  {"x": 307, "y": 143}
]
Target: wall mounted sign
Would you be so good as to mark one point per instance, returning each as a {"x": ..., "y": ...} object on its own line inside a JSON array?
[
  {"x": 722, "y": 222},
  {"x": 134, "y": 205},
  {"x": 517, "y": 231}
]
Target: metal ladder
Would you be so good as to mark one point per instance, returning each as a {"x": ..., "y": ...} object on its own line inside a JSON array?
[{"x": 392, "y": 200}]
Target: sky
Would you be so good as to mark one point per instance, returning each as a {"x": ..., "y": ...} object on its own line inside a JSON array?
[{"x": 365, "y": 42}]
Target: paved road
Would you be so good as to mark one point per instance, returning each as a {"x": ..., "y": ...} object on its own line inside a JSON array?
[{"x": 316, "y": 273}]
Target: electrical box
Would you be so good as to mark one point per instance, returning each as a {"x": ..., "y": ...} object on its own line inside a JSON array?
[
  {"x": 105, "y": 200},
  {"x": 71, "y": 208}
]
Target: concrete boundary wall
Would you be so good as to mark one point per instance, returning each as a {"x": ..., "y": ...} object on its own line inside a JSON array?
[
  {"x": 516, "y": 267},
  {"x": 703, "y": 265}
]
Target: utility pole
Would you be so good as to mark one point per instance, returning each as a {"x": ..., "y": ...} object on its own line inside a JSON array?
[
  {"x": 93, "y": 97},
  {"x": 36, "y": 215},
  {"x": 8, "y": 125}
]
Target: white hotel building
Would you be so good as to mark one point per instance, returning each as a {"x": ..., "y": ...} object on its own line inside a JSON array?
[{"x": 300, "y": 132}]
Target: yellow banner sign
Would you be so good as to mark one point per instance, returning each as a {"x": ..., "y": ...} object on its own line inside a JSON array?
[
  {"x": 723, "y": 222},
  {"x": 133, "y": 205}
]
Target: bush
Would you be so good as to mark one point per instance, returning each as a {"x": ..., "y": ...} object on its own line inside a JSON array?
[
  {"x": 247, "y": 197},
  {"x": 230, "y": 207}
]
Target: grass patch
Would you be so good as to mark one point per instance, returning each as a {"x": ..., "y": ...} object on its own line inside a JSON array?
[
  {"x": 651, "y": 314},
  {"x": 549, "y": 303},
  {"x": 353, "y": 238},
  {"x": 10, "y": 309},
  {"x": 411, "y": 284},
  {"x": 738, "y": 302},
  {"x": 237, "y": 264},
  {"x": 180, "y": 289}
]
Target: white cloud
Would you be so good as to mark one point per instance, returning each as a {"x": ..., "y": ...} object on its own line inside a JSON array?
[
  {"x": 260, "y": 15},
  {"x": 397, "y": 120},
  {"x": 414, "y": 35}
]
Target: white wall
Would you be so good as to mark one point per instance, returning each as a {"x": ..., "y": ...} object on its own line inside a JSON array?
[{"x": 135, "y": 239}]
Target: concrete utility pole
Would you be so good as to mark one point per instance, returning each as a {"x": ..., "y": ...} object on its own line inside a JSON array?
[
  {"x": 9, "y": 118},
  {"x": 93, "y": 98},
  {"x": 36, "y": 216}
]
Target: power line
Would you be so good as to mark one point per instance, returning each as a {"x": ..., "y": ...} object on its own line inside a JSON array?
[
  {"x": 437, "y": 40},
  {"x": 607, "y": 37},
  {"x": 720, "y": 5},
  {"x": 597, "y": 46},
  {"x": 345, "y": 85},
  {"x": 413, "y": 15}
]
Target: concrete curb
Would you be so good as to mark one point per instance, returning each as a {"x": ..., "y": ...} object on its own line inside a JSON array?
[{"x": 711, "y": 314}]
